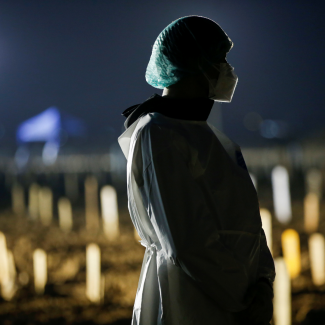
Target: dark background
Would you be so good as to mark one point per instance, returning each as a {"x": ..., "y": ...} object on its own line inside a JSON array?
[{"x": 89, "y": 58}]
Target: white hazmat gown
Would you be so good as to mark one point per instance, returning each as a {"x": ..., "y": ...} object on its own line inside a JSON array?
[{"x": 193, "y": 203}]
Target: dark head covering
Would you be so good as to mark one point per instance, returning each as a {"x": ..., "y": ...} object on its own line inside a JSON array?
[{"x": 183, "y": 48}]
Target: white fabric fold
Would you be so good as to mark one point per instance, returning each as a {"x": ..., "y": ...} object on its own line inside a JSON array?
[{"x": 195, "y": 208}]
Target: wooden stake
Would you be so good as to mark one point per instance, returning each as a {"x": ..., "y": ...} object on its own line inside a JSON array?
[
  {"x": 65, "y": 214},
  {"x": 45, "y": 200},
  {"x": 33, "y": 207},
  {"x": 91, "y": 201}
]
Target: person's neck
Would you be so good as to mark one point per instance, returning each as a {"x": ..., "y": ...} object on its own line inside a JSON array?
[{"x": 190, "y": 87}]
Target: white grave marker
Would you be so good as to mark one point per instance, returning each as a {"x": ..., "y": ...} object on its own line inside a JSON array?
[
  {"x": 281, "y": 194},
  {"x": 93, "y": 277},
  {"x": 8, "y": 287},
  {"x": 4, "y": 263},
  {"x": 282, "y": 294},
  {"x": 40, "y": 270},
  {"x": 267, "y": 226},
  {"x": 110, "y": 212},
  {"x": 45, "y": 200}
]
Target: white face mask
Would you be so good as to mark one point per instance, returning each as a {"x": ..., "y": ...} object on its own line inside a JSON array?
[{"x": 223, "y": 88}]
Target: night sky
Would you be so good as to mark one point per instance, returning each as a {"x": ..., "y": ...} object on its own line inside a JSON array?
[{"x": 89, "y": 59}]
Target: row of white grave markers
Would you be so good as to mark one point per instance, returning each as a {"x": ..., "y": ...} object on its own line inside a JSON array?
[
  {"x": 95, "y": 282},
  {"x": 108, "y": 199},
  {"x": 40, "y": 207},
  {"x": 282, "y": 198},
  {"x": 292, "y": 256},
  {"x": 291, "y": 250},
  {"x": 289, "y": 267}
]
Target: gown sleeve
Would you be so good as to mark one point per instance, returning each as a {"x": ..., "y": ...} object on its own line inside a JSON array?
[{"x": 185, "y": 227}]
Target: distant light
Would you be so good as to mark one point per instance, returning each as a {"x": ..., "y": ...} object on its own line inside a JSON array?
[
  {"x": 273, "y": 129},
  {"x": 281, "y": 194},
  {"x": 50, "y": 153},
  {"x": 269, "y": 129},
  {"x": 252, "y": 121},
  {"x": 21, "y": 157}
]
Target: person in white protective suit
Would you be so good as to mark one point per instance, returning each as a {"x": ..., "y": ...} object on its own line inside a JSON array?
[{"x": 190, "y": 195}]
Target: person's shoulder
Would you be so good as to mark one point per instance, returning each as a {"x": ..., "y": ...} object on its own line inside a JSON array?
[{"x": 155, "y": 122}]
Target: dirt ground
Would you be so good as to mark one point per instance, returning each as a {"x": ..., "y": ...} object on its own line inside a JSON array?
[{"x": 64, "y": 300}]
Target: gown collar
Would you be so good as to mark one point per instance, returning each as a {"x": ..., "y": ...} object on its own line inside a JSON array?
[{"x": 193, "y": 109}]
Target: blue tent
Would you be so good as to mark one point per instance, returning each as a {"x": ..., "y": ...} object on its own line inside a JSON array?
[{"x": 48, "y": 126}]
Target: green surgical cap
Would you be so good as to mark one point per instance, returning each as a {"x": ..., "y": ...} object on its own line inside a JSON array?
[{"x": 181, "y": 48}]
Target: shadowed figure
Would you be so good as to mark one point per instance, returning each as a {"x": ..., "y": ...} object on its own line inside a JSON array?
[{"x": 190, "y": 196}]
